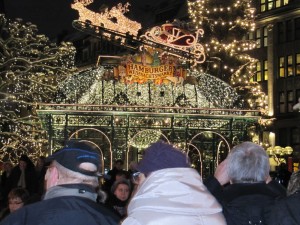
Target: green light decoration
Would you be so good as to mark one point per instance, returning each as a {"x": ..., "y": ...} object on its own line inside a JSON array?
[{"x": 143, "y": 139}]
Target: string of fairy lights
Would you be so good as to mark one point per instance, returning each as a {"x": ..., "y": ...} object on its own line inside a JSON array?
[
  {"x": 35, "y": 69},
  {"x": 90, "y": 87},
  {"x": 226, "y": 24},
  {"x": 31, "y": 67}
]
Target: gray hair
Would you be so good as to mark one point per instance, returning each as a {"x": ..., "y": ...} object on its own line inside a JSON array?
[
  {"x": 248, "y": 163},
  {"x": 67, "y": 176},
  {"x": 294, "y": 183}
]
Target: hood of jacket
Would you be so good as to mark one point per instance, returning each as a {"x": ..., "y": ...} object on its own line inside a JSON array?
[{"x": 175, "y": 192}]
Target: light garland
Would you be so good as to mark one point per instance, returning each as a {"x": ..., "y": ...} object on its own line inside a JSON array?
[
  {"x": 143, "y": 139},
  {"x": 113, "y": 19},
  {"x": 30, "y": 69},
  {"x": 225, "y": 24},
  {"x": 94, "y": 87}
]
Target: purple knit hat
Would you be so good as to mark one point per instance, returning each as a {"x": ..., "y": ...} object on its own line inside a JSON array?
[{"x": 161, "y": 155}]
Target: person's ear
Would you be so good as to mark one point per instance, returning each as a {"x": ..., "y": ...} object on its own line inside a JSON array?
[
  {"x": 142, "y": 178},
  {"x": 51, "y": 177}
]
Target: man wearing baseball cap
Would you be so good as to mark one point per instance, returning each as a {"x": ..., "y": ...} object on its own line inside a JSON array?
[{"x": 70, "y": 197}]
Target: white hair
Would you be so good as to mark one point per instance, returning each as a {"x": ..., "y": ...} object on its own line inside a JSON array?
[{"x": 248, "y": 163}]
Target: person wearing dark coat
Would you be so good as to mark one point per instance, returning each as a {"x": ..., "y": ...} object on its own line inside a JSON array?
[
  {"x": 70, "y": 198},
  {"x": 110, "y": 177},
  {"x": 119, "y": 197},
  {"x": 287, "y": 210},
  {"x": 242, "y": 185},
  {"x": 40, "y": 169},
  {"x": 5, "y": 182},
  {"x": 7, "y": 168},
  {"x": 24, "y": 175}
]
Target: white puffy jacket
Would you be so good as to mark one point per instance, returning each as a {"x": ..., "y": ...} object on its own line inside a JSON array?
[{"x": 174, "y": 196}]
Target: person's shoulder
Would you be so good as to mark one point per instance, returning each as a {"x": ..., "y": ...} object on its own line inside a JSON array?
[
  {"x": 276, "y": 189},
  {"x": 284, "y": 211},
  {"x": 130, "y": 221},
  {"x": 107, "y": 211},
  {"x": 293, "y": 199},
  {"x": 60, "y": 209},
  {"x": 87, "y": 204},
  {"x": 15, "y": 218}
]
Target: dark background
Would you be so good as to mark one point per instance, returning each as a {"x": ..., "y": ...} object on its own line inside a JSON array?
[{"x": 54, "y": 17}]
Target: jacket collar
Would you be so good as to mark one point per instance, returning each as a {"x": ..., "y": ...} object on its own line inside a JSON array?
[
  {"x": 243, "y": 189},
  {"x": 79, "y": 190}
]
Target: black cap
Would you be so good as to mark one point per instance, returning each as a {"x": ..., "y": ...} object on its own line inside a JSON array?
[{"x": 76, "y": 152}]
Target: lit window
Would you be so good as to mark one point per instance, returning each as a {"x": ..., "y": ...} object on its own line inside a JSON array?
[
  {"x": 251, "y": 35},
  {"x": 270, "y": 4},
  {"x": 281, "y": 67},
  {"x": 290, "y": 65},
  {"x": 265, "y": 37},
  {"x": 258, "y": 41},
  {"x": 258, "y": 71},
  {"x": 278, "y": 3},
  {"x": 265, "y": 72},
  {"x": 297, "y": 64},
  {"x": 262, "y": 5},
  {"x": 285, "y": 2}
]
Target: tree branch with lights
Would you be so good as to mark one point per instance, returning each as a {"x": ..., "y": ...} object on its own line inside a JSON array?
[
  {"x": 225, "y": 25},
  {"x": 31, "y": 68}
]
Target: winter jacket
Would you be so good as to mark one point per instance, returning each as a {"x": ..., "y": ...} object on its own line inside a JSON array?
[
  {"x": 245, "y": 203},
  {"x": 285, "y": 211},
  {"x": 65, "y": 205},
  {"x": 30, "y": 178},
  {"x": 174, "y": 196},
  {"x": 118, "y": 206}
]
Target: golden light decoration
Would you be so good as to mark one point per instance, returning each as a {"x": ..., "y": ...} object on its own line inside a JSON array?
[
  {"x": 112, "y": 19},
  {"x": 266, "y": 121},
  {"x": 30, "y": 71},
  {"x": 226, "y": 24},
  {"x": 279, "y": 151},
  {"x": 143, "y": 139}
]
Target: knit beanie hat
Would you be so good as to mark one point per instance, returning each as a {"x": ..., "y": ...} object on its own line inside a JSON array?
[{"x": 161, "y": 155}]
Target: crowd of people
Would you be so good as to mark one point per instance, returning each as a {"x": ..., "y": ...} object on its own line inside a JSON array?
[{"x": 163, "y": 188}]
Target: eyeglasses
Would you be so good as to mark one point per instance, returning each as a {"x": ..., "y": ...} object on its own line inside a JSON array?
[
  {"x": 14, "y": 203},
  {"x": 135, "y": 177}
]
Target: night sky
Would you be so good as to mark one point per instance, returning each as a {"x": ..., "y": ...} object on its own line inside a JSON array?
[{"x": 54, "y": 17}]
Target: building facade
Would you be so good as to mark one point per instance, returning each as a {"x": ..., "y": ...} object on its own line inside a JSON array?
[{"x": 277, "y": 38}]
